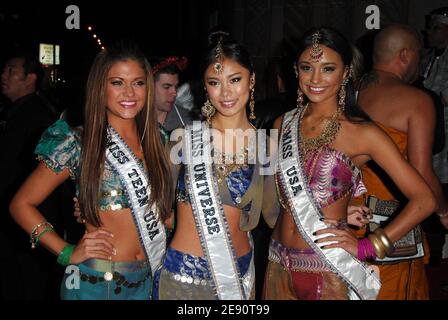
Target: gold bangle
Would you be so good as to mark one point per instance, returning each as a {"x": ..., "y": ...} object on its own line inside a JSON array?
[
  {"x": 388, "y": 245},
  {"x": 377, "y": 246}
]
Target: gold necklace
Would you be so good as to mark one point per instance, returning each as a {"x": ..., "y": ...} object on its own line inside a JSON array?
[
  {"x": 226, "y": 163},
  {"x": 328, "y": 134}
]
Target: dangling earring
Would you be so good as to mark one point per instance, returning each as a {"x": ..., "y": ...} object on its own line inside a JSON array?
[
  {"x": 299, "y": 98},
  {"x": 342, "y": 94},
  {"x": 296, "y": 72},
  {"x": 208, "y": 110},
  {"x": 252, "y": 115}
]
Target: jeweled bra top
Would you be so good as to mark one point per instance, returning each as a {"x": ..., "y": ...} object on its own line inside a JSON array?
[
  {"x": 60, "y": 148},
  {"x": 332, "y": 176},
  {"x": 243, "y": 188},
  {"x": 237, "y": 182}
]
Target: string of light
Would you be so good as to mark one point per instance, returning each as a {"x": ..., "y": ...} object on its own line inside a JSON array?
[{"x": 98, "y": 40}]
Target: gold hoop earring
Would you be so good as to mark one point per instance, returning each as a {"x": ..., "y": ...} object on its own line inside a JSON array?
[{"x": 208, "y": 110}]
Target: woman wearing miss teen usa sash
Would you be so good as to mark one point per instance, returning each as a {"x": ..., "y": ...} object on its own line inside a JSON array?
[{"x": 122, "y": 180}]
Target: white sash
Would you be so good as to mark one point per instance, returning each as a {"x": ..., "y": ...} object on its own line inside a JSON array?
[
  {"x": 360, "y": 278},
  {"x": 211, "y": 222},
  {"x": 151, "y": 230}
]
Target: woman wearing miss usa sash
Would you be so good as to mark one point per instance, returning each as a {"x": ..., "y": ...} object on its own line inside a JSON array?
[{"x": 313, "y": 254}]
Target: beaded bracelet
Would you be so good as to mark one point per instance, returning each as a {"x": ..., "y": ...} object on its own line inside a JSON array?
[
  {"x": 36, "y": 241},
  {"x": 366, "y": 250},
  {"x": 66, "y": 253},
  {"x": 34, "y": 233}
]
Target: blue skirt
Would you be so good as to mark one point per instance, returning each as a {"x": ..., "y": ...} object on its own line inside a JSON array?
[
  {"x": 187, "y": 277},
  {"x": 96, "y": 279}
]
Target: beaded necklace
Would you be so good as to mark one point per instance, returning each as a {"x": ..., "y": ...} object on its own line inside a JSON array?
[
  {"x": 328, "y": 134},
  {"x": 226, "y": 163}
]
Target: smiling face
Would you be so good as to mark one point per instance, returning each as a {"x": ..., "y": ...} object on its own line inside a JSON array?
[
  {"x": 126, "y": 90},
  {"x": 228, "y": 91},
  {"x": 320, "y": 81}
]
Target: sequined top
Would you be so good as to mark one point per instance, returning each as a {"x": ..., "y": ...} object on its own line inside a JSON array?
[
  {"x": 332, "y": 176},
  {"x": 244, "y": 188},
  {"x": 60, "y": 148},
  {"x": 237, "y": 182}
]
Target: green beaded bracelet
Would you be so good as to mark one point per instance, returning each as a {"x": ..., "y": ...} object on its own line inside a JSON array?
[
  {"x": 66, "y": 253},
  {"x": 41, "y": 234}
]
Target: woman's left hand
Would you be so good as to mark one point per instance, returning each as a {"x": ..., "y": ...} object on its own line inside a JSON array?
[{"x": 345, "y": 239}]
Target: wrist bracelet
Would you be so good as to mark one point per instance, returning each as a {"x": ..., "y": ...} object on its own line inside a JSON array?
[
  {"x": 36, "y": 241},
  {"x": 35, "y": 234},
  {"x": 66, "y": 253}
]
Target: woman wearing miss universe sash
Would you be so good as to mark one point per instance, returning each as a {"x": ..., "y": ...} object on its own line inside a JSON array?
[
  {"x": 313, "y": 254},
  {"x": 220, "y": 186},
  {"x": 122, "y": 181}
]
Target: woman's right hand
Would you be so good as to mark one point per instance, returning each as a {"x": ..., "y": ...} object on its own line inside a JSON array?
[
  {"x": 358, "y": 216},
  {"x": 94, "y": 245}
]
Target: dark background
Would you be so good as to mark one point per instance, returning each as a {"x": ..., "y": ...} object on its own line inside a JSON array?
[
  {"x": 180, "y": 27},
  {"x": 267, "y": 28}
]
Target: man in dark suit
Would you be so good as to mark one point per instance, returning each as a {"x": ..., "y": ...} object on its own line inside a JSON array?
[{"x": 22, "y": 275}]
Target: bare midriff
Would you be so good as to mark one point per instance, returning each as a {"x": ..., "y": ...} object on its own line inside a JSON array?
[
  {"x": 126, "y": 240},
  {"x": 186, "y": 238},
  {"x": 286, "y": 231}
]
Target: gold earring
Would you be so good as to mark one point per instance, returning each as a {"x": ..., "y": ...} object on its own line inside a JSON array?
[
  {"x": 342, "y": 94},
  {"x": 296, "y": 72},
  {"x": 252, "y": 115},
  {"x": 208, "y": 110},
  {"x": 299, "y": 98}
]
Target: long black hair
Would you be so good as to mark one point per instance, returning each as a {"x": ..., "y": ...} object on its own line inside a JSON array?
[{"x": 334, "y": 40}]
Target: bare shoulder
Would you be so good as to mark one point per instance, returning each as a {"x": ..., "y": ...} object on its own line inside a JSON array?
[
  {"x": 420, "y": 99},
  {"x": 362, "y": 131}
]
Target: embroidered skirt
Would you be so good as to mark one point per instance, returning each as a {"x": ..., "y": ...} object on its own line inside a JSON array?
[
  {"x": 296, "y": 274},
  {"x": 97, "y": 279},
  {"x": 187, "y": 277}
]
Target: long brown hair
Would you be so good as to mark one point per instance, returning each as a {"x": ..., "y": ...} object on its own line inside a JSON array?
[{"x": 95, "y": 135}]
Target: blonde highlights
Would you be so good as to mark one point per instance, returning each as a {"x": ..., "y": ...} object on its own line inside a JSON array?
[{"x": 94, "y": 138}]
